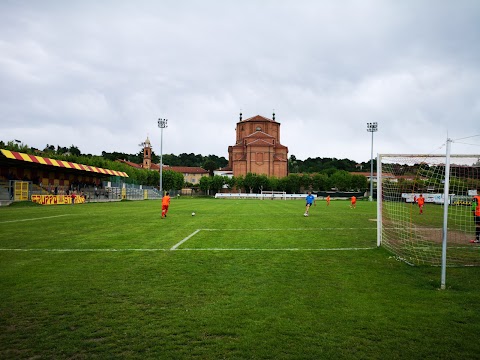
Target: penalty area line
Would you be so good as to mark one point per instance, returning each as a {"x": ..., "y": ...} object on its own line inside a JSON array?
[
  {"x": 175, "y": 247},
  {"x": 286, "y": 249},
  {"x": 184, "y": 249},
  {"x": 40, "y": 218},
  {"x": 292, "y": 229}
]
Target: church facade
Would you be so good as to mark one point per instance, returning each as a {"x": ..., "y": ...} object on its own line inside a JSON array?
[{"x": 258, "y": 149}]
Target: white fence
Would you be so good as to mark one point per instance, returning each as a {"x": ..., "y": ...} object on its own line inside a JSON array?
[
  {"x": 261, "y": 196},
  {"x": 429, "y": 198},
  {"x": 438, "y": 198}
]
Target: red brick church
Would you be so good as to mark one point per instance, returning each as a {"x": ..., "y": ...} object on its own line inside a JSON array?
[{"x": 258, "y": 149}]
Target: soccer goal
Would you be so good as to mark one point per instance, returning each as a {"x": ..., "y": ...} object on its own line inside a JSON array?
[
  {"x": 420, "y": 235},
  {"x": 270, "y": 194}
]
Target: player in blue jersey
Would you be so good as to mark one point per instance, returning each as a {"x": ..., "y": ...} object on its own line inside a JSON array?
[{"x": 310, "y": 199}]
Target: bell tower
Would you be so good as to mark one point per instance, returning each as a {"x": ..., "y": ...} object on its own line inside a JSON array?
[{"x": 147, "y": 154}]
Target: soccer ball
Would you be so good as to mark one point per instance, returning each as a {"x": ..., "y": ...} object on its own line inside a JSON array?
[
  {"x": 305, "y": 214},
  {"x": 193, "y": 214}
]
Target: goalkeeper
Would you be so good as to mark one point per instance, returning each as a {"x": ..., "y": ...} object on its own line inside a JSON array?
[
  {"x": 476, "y": 217},
  {"x": 421, "y": 202}
]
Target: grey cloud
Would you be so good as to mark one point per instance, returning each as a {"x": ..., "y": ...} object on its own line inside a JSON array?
[{"x": 109, "y": 69}]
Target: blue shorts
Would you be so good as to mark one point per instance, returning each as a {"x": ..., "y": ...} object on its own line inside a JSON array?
[{"x": 309, "y": 204}]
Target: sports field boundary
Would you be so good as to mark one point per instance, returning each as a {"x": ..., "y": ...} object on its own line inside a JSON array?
[
  {"x": 177, "y": 247},
  {"x": 33, "y": 219},
  {"x": 184, "y": 249},
  {"x": 174, "y": 247},
  {"x": 265, "y": 249},
  {"x": 84, "y": 250}
]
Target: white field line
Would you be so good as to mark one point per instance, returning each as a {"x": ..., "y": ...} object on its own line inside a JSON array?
[
  {"x": 32, "y": 219},
  {"x": 174, "y": 247},
  {"x": 184, "y": 249},
  {"x": 292, "y": 229},
  {"x": 82, "y": 250},
  {"x": 412, "y": 228},
  {"x": 287, "y": 249}
]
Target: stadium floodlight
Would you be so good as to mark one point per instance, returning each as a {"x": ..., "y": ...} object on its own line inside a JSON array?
[
  {"x": 371, "y": 127},
  {"x": 162, "y": 124}
]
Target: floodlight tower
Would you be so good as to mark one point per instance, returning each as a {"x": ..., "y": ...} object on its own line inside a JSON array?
[
  {"x": 371, "y": 127},
  {"x": 162, "y": 124}
]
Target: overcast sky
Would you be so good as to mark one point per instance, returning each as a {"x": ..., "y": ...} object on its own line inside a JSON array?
[{"x": 98, "y": 74}]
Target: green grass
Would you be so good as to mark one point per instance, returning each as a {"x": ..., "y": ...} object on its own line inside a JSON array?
[{"x": 258, "y": 281}]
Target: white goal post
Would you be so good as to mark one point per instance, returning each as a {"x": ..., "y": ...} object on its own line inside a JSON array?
[
  {"x": 270, "y": 194},
  {"x": 418, "y": 235}
]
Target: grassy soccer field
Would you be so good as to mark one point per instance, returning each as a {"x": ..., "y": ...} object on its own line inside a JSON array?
[{"x": 243, "y": 279}]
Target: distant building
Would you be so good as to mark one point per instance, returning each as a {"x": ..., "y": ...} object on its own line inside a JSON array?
[
  {"x": 223, "y": 172},
  {"x": 191, "y": 174},
  {"x": 258, "y": 149}
]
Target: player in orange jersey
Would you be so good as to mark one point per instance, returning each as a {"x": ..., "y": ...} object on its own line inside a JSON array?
[
  {"x": 353, "y": 202},
  {"x": 421, "y": 202},
  {"x": 328, "y": 200},
  {"x": 165, "y": 204}
]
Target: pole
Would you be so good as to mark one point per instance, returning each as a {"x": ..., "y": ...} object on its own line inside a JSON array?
[
  {"x": 371, "y": 127},
  {"x": 162, "y": 123},
  {"x": 161, "y": 160},
  {"x": 445, "y": 214},
  {"x": 370, "y": 197},
  {"x": 379, "y": 200}
]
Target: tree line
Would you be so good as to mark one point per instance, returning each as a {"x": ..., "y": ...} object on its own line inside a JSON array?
[
  {"x": 170, "y": 179},
  {"x": 340, "y": 180},
  {"x": 319, "y": 164},
  {"x": 326, "y": 179},
  {"x": 209, "y": 162}
]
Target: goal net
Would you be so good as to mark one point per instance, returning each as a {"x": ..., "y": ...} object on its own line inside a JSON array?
[
  {"x": 270, "y": 194},
  {"x": 413, "y": 233}
]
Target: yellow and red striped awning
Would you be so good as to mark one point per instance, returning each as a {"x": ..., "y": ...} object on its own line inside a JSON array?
[{"x": 59, "y": 163}]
